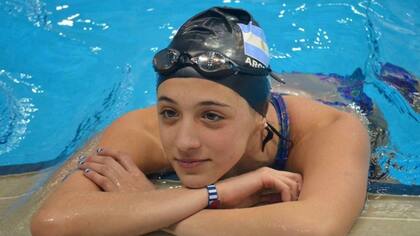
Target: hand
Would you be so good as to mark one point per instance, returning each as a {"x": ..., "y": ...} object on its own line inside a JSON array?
[
  {"x": 114, "y": 171},
  {"x": 264, "y": 185}
]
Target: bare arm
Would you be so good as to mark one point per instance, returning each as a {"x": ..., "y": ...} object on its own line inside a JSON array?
[
  {"x": 65, "y": 212},
  {"x": 333, "y": 159},
  {"x": 130, "y": 205},
  {"x": 105, "y": 213},
  {"x": 78, "y": 204}
]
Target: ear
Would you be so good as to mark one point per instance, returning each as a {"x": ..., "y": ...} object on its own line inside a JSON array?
[
  {"x": 262, "y": 126},
  {"x": 259, "y": 125},
  {"x": 261, "y": 122}
]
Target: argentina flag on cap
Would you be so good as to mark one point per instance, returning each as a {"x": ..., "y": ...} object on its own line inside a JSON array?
[{"x": 255, "y": 45}]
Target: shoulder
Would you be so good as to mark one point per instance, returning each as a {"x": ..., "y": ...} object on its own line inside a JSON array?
[
  {"x": 316, "y": 125},
  {"x": 306, "y": 115},
  {"x": 137, "y": 134},
  {"x": 138, "y": 118}
]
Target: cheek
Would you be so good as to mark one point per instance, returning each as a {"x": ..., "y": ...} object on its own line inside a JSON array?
[
  {"x": 167, "y": 136},
  {"x": 226, "y": 144}
]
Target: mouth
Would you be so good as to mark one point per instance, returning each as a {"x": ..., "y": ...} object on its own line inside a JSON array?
[{"x": 190, "y": 163}]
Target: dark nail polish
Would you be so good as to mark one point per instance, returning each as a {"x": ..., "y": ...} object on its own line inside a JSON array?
[
  {"x": 99, "y": 150},
  {"x": 82, "y": 160},
  {"x": 87, "y": 170},
  {"x": 81, "y": 157}
]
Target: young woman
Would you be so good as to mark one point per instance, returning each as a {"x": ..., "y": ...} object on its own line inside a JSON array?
[{"x": 250, "y": 161}]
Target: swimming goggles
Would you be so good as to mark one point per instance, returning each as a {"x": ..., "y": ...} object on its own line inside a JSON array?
[{"x": 209, "y": 64}]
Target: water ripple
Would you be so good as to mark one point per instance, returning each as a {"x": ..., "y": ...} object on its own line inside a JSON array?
[
  {"x": 15, "y": 112},
  {"x": 399, "y": 157},
  {"x": 35, "y": 11}
]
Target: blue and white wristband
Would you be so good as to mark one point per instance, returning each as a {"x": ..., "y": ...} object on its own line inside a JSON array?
[{"x": 213, "y": 202}]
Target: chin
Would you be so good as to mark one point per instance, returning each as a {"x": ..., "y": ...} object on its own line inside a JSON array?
[
  {"x": 194, "y": 181},
  {"x": 195, "y": 178}
]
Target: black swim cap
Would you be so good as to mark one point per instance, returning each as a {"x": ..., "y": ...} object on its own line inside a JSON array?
[{"x": 235, "y": 34}]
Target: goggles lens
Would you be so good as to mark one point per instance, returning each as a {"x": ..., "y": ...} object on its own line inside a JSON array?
[
  {"x": 165, "y": 60},
  {"x": 212, "y": 62}
]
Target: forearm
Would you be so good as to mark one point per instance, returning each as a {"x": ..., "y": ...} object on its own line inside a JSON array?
[
  {"x": 288, "y": 218},
  {"x": 101, "y": 213}
]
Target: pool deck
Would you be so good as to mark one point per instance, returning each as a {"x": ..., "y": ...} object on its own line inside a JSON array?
[
  {"x": 389, "y": 215},
  {"x": 383, "y": 214}
]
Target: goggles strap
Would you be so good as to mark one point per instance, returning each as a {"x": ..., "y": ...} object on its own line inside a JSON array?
[{"x": 268, "y": 137}]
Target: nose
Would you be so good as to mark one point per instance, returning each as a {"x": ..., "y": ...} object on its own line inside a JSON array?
[{"x": 187, "y": 137}]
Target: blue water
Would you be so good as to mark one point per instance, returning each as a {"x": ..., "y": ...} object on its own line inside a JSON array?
[{"x": 69, "y": 68}]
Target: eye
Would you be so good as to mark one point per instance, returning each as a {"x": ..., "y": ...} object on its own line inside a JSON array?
[
  {"x": 168, "y": 113},
  {"x": 211, "y": 116}
]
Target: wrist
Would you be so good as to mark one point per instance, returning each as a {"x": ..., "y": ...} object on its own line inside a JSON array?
[{"x": 213, "y": 197}]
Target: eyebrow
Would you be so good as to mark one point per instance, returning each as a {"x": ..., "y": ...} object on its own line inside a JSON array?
[
  {"x": 212, "y": 103},
  {"x": 166, "y": 99},
  {"x": 203, "y": 103}
]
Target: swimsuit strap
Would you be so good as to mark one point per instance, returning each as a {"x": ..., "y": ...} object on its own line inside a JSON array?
[{"x": 284, "y": 142}]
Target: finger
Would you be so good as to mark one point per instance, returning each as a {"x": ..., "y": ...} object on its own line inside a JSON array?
[
  {"x": 280, "y": 181},
  {"x": 283, "y": 189},
  {"x": 104, "y": 183},
  {"x": 293, "y": 186},
  {"x": 270, "y": 198},
  {"x": 125, "y": 160},
  {"x": 293, "y": 175},
  {"x": 102, "y": 169},
  {"x": 104, "y": 160},
  {"x": 292, "y": 179},
  {"x": 276, "y": 181},
  {"x": 296, "y": 177},
  {"x": 285, "y": 192}
]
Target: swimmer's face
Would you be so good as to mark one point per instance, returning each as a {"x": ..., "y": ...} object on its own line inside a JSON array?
[{"x": 204, "y": 128}]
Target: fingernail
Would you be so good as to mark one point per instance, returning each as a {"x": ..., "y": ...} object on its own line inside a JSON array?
[
  {"x": 99, "y": 150},
  {"x": 82, "y": 159},
  {"x": 87, "y": 170}
]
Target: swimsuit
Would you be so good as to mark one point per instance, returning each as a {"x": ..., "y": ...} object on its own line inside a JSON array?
[{"x": 284, "y": 142}]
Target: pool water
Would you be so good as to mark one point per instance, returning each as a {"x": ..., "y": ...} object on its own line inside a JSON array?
[{"x": 69, "y": 68}]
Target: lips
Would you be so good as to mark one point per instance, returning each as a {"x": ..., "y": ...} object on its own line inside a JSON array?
[{"x": 188, "y": 163}]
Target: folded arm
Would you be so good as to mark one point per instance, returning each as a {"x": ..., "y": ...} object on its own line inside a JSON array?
[
  {"x": 75, "y": 212},
  {"x": 115, "y": 197},
  {"x": 79, "y": 207},
  {"x": 131, "y": 206},
  {"x": 333, "y": 160}
]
